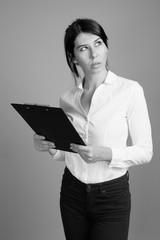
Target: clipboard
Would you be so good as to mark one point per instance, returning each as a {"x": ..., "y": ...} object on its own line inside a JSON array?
[{"x": 50, "y": 122}]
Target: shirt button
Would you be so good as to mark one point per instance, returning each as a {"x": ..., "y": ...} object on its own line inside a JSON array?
[
  {"x": 104, "y": 191},
  {"x": 88, "y": 188}
]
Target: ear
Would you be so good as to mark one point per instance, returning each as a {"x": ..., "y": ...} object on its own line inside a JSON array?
[{"x": 75, "y": 61}]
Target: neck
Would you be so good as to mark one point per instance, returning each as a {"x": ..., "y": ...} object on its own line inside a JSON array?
[{"x": 93, "y": 81}]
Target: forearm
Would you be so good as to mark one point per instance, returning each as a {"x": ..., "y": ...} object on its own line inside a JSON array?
[{"x": 131, "y": 156}]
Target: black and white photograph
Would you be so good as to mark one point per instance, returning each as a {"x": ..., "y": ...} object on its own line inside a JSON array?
[{"x": 79, "y": 120}]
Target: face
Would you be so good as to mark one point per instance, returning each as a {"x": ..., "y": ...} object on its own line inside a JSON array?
[{"x": 90, "y": 53}]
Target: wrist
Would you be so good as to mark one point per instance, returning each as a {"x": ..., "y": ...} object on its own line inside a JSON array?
[
  {"x": 107, "y": 155},
  {"x": 52, "y": 151}
]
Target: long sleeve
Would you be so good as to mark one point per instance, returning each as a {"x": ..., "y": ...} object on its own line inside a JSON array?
[{"x": 139, "y": 128}]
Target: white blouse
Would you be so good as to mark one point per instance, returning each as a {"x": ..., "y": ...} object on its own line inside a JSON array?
[{"x": 118, "y": 109}]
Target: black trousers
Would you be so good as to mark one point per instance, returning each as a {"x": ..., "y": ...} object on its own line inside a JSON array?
[{"x": 95, "y": 211}]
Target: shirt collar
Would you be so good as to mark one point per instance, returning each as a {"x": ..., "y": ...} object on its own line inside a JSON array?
[{"x": 110, "y": 79}]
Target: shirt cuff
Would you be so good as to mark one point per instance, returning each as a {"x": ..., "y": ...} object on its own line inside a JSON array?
[
  {"x": 117, "y": 156},
  {"x": 56, "y": 156}
]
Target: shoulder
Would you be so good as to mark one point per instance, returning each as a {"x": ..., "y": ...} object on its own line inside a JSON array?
[
  {"x": 69, "y": 96},
  {"x": 132, "y": 91},
  {"x": 70, "y": 93},
  {"x": 128, "y": 84}
]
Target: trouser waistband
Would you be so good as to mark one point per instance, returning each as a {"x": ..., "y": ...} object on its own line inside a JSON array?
[{"x": 109, "y": 183}]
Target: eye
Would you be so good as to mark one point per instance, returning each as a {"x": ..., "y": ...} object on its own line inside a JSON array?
[
  {"x": 98, "y": 43},
  {"x": 83, "y": 48}
]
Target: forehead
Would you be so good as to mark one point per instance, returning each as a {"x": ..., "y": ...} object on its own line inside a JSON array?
[{"x": 85, "y": 38}]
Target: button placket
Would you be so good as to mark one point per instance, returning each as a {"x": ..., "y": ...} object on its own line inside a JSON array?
[
  {"x": 88, "y": 188},
  {"x": 86, "y": 129}
]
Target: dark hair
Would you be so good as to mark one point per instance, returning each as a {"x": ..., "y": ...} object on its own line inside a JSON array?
[{"x": 80, "y": 25}]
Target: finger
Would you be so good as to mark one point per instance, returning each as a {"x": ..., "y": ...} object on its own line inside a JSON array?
[
  {"x": 43, "y": 147},
  {"x": 73, "y": 147},
  {"x": 78, "y": 147},
  {"x": 47, "y": 144},
  {"x": 38, "y": 137},
  {"x": 51, "y": 145}
]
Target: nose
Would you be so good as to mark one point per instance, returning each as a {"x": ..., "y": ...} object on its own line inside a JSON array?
[{"x": 93, "y": 53}]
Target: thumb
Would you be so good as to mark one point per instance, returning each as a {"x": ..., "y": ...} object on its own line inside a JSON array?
[{"x": 74, "y": 147}]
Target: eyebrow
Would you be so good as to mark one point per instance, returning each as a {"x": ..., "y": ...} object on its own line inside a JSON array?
[{"x": 83, "y": 45}]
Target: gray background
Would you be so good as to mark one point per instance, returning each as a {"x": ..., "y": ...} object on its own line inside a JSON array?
[{"x": 33, "y": 69}]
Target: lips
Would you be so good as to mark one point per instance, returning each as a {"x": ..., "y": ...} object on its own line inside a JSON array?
[{"x": 95, "y": 64}]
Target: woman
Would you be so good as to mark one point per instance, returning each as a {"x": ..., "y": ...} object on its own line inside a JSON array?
[{"x": 104, "y": 108}]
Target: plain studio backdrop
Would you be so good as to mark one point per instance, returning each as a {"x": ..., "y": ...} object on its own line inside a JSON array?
[{"x": 33, "y": 69}]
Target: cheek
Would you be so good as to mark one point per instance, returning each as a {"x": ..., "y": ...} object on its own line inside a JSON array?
[
  {"x": 105, "y": 58},
  {"x": 105, "y": 53},
  {"x": 82, "y": 62},
  {"x": 81, "y": 58}
]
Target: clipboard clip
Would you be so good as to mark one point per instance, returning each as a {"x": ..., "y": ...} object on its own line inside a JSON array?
[{"x": 35, "y": 104}]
